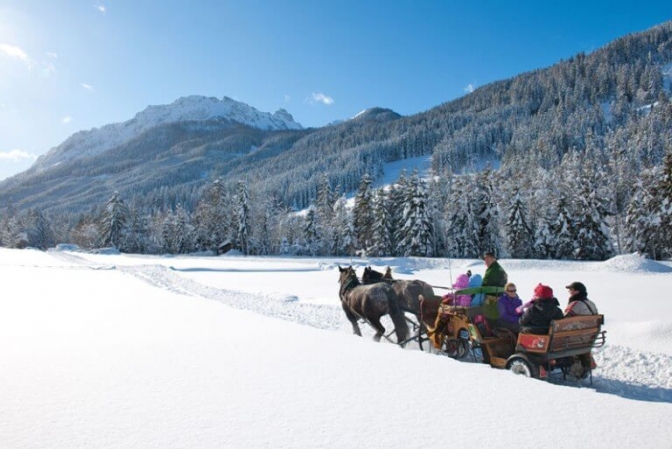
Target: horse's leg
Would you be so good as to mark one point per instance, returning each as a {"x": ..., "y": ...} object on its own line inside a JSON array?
[
  {"x": 355, "y": 327},
  {"x": 380, "y": 330},
  {"x": 353, "y": 320}
]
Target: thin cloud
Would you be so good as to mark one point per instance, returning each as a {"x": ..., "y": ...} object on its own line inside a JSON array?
[
  {"x": 16, "y": 156},
  {"x": 87, "y": 87},
  {"x": 319, "y": 97},
  {"x": 101, "y": 8},
  {"x": 45, "y": 67},
  {"x": 67, "y": 119},
  {"x": 14, "y": 52},
  {"x": 469, "y": 88},
  {"x": 287, "y": 98}
]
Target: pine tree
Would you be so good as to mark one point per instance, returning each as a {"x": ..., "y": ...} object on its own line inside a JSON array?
[
  {"x": 39, "y": 230},
  {"x": 649, "y": 214},
  {"x": 437, "y": 193},
  {"x": 363, "y": 214},
  {"x": 212, "y": 217},
  {"x": 462, "y": 223},
  {"x": 396, "y": 198},
  {"x": 324, "y": 214},
  {"x": 137, "y": 236},
  {"x": 324, "y": 204},
  {"x": 382, "y": 231},
  {"x": 562, "y": 230},
  {"x": 592, "y": 239},
  {"x": 311, "y": 243},
  {"x": 345, "y": 241},
  {"x": 487, "y": 215},
  {"x": 664, "y": 191},
  {"x": 112, "y": 222},
  {"x": 417, "y": 230},
  {"x": 177, "y": 232},
  {"x": 242, "y": 218},
  {"x": 543, "y": 246},
  {"x": 642, "y": 223},
  {"x": 519, "y": 234}
]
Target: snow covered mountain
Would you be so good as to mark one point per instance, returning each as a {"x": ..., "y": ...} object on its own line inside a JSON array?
[{"x": 191, "y": 108}]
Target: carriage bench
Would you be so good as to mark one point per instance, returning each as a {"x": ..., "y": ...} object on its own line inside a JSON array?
[
  {"x": 566, "y": 337},
  {"x": 536, "y": 354}
]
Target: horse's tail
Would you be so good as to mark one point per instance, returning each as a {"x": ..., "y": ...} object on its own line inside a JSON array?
[{"x": 398, "y": 317}]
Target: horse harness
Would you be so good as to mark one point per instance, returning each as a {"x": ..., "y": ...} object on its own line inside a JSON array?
[{"x": 351, "y": 283}]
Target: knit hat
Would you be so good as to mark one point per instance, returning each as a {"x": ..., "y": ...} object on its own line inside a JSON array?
[{"x": 542, "y": 291}]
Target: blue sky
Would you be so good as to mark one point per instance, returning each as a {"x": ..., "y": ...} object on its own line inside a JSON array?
[{"x": 70, "y": 65}]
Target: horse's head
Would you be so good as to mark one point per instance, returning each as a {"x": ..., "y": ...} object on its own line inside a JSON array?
[
  {"x": 388, "y": 273},
  {"x": 370, "y": 276},
  {"x": 347, "y": 279},
  {"x": 345, "y": 274}
]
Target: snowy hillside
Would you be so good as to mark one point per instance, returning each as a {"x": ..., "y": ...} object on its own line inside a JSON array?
[
  {"x": 113, "y": 350},
  {"x": 192, "y": 108}
]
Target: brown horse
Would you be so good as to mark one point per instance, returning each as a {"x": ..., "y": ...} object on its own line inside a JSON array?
[
  {"x": 415, "y": 296},
  {"x": 370, "y": 302},
  {"x": 408, "y": 291}
]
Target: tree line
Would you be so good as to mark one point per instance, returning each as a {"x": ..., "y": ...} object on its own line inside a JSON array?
[{"x": 570, "y": 212}]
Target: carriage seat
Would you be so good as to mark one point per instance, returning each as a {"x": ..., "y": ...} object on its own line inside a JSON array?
[{"x": 567, "y": 336}]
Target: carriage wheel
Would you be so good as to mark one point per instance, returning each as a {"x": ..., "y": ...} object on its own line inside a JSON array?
[
  {"x": 456, "y": 348},
  {"x": 422, "y": 336},
  {"x": 520, "y": 365}
]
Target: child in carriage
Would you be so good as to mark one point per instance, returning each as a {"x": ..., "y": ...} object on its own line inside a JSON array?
[{"x": 460, "y": 283}]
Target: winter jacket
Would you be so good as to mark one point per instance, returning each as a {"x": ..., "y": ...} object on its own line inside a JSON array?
[
  {"x": 579, "y": 304},
  {"x": 475, "y": 281},
  {"x": 495, "y": 276},
  {"x": 460, "y": 283},
  {"x": 507, "y": 306},
  {"x": 537, "y": 318}
]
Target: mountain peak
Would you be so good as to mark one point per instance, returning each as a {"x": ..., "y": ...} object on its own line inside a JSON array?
[
  {"x": 196, "y": 107},
  {"x": 190, "y": 108},
  {"x": 376, "y": 114},
  {"x": 282, "y": 114}
]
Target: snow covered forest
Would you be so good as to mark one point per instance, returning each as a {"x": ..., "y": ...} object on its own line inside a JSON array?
[
  {"x": 569, "y": 162},
  {"x": 568, "y": 213}
]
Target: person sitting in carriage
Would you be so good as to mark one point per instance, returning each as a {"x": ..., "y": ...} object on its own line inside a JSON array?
[
  {"x": 507, "y": 305},
  {"x": 460, "y": 283},
  {"x": 540, "y": 311},
  {"x": 579, "y": 304},
  {"x": 475, "y": 281}
]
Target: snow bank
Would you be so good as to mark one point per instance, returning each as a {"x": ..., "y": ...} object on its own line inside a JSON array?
[{"x": 635, "y": 263}]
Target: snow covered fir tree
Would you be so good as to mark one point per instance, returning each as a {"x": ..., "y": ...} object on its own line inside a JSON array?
[{"x": 569, "y": 162}]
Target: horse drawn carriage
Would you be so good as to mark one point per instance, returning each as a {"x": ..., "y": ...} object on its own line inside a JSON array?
[
  {"x": 536, "y": 355},
  {"x": 460, "y": 331}
]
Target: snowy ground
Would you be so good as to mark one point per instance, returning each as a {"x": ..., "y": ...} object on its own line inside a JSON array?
[{"x": 121, "y": 351}]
